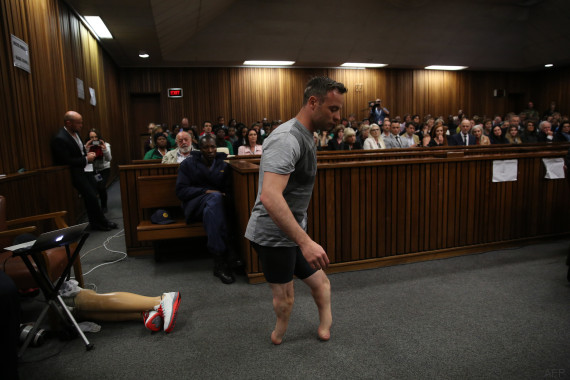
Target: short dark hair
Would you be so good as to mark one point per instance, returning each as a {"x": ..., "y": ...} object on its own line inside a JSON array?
[
  {"x": 320, "y": 87},
  {"x": 207, "y": 121},
  {"x": 205, "y": 138}
]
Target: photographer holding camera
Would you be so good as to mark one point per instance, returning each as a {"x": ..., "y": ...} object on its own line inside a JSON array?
[
  {"x": 377, "y": 112},
  {"x": 101, "y": 164}
]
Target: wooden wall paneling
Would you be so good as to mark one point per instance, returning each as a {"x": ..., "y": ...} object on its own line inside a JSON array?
[
  {"x": 415, "y": 207},
  {"x": 453, "y": 199},
  {"x": 370, "y": 233},
  {"x": 330, "y": 209},
  {"x": 535, "y": 193},
  {"x": 516, "y": 204},
  {"x": 406, "y": 204},
  {"x": 379, "y": 188},
  {"x": 17, "y": 24},
  {"x": 424, "y": 198},
  {"x": 354, "y": 217},
  {"x": 6, "y": 97},
  {"x": 322, "y": 215},
  {"x": 529, "y": 207},
  {"x": 498, "y": 211},
  {"x": 430, "y": 230},
  {"x": 241, "y": 199},
  {"x": 175, "y": 107},
  {"x": 484, "y": 195},
  {"x": 433, "y": 229},
  {"x": 251, "y": 197},
  {"x": 476, "y": 202},
  {"x": 397, "y": 218},
  {"x": 338, "y": 222},
  {"x": 442, "y": 201},
  {"x": 470, "y": 201},
  {"x": 363, "y": 193},
  {"x": 46, "y": 70},
  {"x": 343, "y": 209},
  {"x": 356, "y": 101},
  {"x": 547, "y": 202},
  {"x": 400, "y": 92}
]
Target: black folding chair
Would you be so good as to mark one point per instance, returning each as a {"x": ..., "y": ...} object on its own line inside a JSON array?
[{"x": 51, "y": 291}]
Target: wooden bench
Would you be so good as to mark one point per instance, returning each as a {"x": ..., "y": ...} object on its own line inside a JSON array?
[{"x": 159, "y": 192}]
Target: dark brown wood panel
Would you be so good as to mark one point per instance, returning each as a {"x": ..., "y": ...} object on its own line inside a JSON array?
[{"x": 463, "y": 211}]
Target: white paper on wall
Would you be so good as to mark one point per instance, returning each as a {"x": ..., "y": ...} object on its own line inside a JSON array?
[
  {"x": 93, "y": 101},
  {"x": 80, "y": 89},
  {"x": 554, "y": 168},
  {"x": 505, "y": 170}
]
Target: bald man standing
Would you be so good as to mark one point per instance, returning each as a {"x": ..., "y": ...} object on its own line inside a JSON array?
[{"x": 68, "y": 149}]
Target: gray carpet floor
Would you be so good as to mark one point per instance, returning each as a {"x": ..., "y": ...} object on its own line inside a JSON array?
[{"x": 497, "y": 315}]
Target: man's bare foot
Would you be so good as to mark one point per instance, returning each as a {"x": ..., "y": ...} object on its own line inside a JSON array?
[
  {"x": 275, "y": 339},
  {"x": 324, "y": 333}
]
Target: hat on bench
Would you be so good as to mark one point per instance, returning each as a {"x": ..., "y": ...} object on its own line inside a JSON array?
[{"x": 161, "y": 217}]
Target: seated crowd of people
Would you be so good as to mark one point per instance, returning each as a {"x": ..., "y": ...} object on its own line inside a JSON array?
[
  {"x": 410, "y": 131},
  {"x": 235, "y": 139},
  {"x": 377, "y": 131}
]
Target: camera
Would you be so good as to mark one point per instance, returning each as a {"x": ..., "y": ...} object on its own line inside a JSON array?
[
  {"x": 38, "y": 338},
  {"x": 95, "y": 142}
]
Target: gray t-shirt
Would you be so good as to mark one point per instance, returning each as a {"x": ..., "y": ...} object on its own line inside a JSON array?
[{"x": 289, "y": 149}]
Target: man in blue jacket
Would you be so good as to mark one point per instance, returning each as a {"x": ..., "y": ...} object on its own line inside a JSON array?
[{"x": 203, "y": 186}]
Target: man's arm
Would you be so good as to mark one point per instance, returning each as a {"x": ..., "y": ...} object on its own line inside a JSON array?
[
  {"x": 275, "y": 204},
  {"x": 187, "y": 187}
]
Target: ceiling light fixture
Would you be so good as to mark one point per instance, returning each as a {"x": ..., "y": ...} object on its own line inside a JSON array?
[
  {"x": 444, "y": 67},
  {"x": 549, "y": 65},
  {"x": 98, "y": 26},
  {"x": 365, "y": 65},
  {"x": 269, "y": 63},
  {"x": 143, "y": 54}
]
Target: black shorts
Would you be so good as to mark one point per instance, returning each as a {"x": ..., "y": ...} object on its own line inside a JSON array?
[{"x": 281, "y": 263}]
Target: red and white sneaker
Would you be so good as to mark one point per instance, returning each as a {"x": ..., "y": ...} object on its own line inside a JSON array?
[
  {"x": 169, "y": 308},
  {"x": 152, "y": 320}
]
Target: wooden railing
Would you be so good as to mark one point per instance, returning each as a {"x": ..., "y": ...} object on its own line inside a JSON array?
[
  {"x": 388, "y": 210},
  {"x": 40, "y": 192}
]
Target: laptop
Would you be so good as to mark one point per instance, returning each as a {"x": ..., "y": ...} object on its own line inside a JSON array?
[{"x": 50, "y": 239}]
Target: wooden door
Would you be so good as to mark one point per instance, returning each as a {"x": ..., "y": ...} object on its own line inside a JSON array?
[{"x": 145, "y": 109}]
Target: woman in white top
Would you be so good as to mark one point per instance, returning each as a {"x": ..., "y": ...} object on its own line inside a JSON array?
[
  {"x": 375, "y": 141},
  {"x": 252, "y": 146}
]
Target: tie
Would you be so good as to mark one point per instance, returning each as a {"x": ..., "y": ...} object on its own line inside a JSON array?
[
  {"x": 465, "y": 139},
  {"x": 398, "y": 140}
]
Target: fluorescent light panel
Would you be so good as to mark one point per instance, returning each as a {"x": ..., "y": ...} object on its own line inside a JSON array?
[
  {"x": 549, "y": 65},
  {"x": 369, "y": 65},
  {"x": 143, "y": 54},
  {"x": 98, "y": 26},
  {"x": 269, "y": 63},
  {"x": 444, "y": 67}
]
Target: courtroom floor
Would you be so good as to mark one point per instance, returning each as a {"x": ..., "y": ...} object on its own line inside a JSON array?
[{"x": 501, "y": 314}]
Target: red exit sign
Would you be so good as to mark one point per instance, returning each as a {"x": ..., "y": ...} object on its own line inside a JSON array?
[{"x": 174, "y": 92}]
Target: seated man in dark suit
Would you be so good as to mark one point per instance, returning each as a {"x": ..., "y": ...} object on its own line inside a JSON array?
[
  {"x": 68, "y": 149},
  {"x": 204, "y": 186},
  {"x": 464, "y": 137}
]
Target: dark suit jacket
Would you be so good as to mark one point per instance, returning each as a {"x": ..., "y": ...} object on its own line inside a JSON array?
[
  {"x": 195, "y": 178},
  {"x": 66, "y": 152},
  {"x": 457, "y": 139}
]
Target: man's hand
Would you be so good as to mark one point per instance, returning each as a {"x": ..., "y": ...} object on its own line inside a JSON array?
[
  {"x": 215, "y": 191},
  {"x": 90, "y": 156},
  {"x": 315, "y": 255}
]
